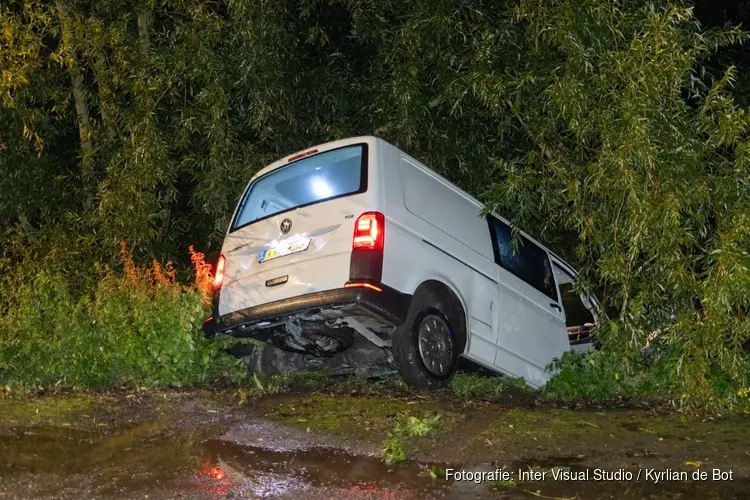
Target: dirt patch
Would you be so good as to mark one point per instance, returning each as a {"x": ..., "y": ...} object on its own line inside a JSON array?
[
  {"x": 607, "y": 438},
  {"x": 197, "y": 444},
  {"x": 362, "y": 418}
]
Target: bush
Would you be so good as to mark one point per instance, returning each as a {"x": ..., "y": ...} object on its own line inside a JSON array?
[
  {"x": 601, "y": 375},
  {"x": 393, "y": 450},
  {"x": 661, "y": 371},
  {"x": 140, "y": 327}
]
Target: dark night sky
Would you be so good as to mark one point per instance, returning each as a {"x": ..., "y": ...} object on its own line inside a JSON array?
[{"x": 717, "y": 13}]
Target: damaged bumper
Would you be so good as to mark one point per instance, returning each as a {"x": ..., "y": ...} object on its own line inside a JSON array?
[{"x": 371, "y": 299}]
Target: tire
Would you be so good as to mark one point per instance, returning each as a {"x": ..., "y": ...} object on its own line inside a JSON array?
[{"x": 426, "y": 311}]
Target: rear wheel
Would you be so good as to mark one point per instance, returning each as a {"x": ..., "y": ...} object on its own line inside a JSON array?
[
  {"x": 425, "y": 347},
  {"x": 435, "y": 345}
]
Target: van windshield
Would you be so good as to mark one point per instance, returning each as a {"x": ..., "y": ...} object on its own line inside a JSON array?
[{"x": 325, "y": 176}]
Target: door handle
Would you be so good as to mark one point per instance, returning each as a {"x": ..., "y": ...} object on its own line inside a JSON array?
[{"x": 555, "y": 305}]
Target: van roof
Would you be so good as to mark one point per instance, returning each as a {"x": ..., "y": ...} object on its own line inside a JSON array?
[{"x": 319, "y": 147}]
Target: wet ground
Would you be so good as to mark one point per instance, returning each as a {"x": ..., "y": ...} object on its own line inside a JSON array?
[{"x": 326, "y": 444}]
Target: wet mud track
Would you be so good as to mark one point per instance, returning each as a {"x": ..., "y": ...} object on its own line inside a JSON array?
[
  {"x": 187, "y": 447},
  {"x": 183, "y": 451},
  {"x": 55, "y": 463}
]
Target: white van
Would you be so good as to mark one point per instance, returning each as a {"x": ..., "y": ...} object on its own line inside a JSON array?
[{"x": 356, "y": 238}]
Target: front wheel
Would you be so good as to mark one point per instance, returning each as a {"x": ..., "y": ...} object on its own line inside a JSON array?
[{"x": 425, "y": 348}]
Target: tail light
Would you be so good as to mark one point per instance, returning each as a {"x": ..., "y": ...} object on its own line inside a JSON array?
[
  {"x": 302, "y": 155},
  {"x": 369, "y": 232},
  {"x": 219, "y": 276},
  {"x": 367, "y": 249}
]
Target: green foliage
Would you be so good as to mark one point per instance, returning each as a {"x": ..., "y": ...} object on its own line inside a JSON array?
[
  {"x": 136, "y": 328},
  {"x": 501, "y": 484},
  {"x": 655, "y": 373},
  {"x": 601, "y": 376},
  {"x": 472, "y": 385},
  {"x": 393, "y": 450}
]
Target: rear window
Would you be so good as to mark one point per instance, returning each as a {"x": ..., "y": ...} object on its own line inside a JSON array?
[
  {"x": 528, "y": 261},
  {"x": 314, "y": 179}
]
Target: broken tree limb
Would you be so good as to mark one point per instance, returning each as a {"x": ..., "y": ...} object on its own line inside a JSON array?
[{"x": 79, "y": 91}]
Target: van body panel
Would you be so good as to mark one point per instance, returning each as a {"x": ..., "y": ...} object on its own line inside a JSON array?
[
  {"x": 320, "y": 273},
  {"x": 442, "y": 206},
  {"x": 511, "y": 326},
  {"x": 484, "y": 319}
]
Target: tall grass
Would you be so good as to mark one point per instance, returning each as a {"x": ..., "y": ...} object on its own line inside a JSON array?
[{"x": 138, "y": 326}]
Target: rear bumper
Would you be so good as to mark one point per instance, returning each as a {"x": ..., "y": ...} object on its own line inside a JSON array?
[{"x": 388, "y": 305}]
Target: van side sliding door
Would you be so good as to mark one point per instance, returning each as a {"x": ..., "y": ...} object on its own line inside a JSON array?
[{"x": 531, "y": 322}]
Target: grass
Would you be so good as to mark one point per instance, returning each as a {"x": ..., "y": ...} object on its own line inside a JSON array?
[
  {"x": 488, "y": 387},
  {"x": 363, "y": 417},
  {"x": 393, "y": 450},
  {"x": 519, "y": 423},
  {"x": 393, "y": 421},
  {"x": 50, "y": 410},
  {"x": 569, "y": 433}
]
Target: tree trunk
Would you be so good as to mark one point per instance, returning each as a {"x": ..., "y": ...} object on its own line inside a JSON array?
[
  {"x": 106, "y": 108},
  {"x": 79, "y": 91},
  {"x": 144, "y": 26}
]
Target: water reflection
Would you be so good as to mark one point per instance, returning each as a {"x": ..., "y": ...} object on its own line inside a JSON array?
[
  {"x": 161, "y": 462},
  {"x": 212, "y": 480}
]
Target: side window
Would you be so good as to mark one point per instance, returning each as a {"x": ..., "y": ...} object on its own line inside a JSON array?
[{"x": 527, "y": 260}]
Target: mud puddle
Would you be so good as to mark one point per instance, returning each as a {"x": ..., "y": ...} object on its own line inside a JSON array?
[
  {"x": 185, "y": 445},
  {"x": 151, "y": 460}
]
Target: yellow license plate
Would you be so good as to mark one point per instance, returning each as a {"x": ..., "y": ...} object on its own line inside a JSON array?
[{"x": 282, "y": 250}]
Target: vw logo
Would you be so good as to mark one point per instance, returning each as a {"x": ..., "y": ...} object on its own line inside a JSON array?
[{"x": 285, "y": 226}]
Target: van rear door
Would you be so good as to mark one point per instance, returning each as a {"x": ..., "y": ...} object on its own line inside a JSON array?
[{"x": 292, "y": 231}]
